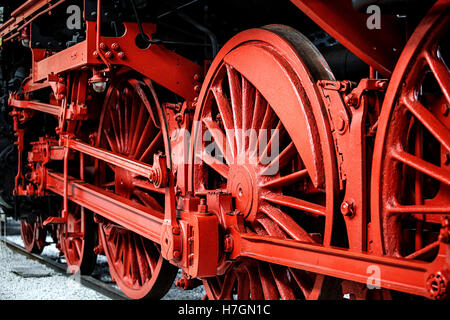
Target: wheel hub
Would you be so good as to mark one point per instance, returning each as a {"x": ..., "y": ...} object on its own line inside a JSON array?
[{"x": 242, "y": 184}]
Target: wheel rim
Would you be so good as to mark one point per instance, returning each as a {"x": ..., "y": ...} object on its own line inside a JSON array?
[
  {"x": 270, "y": 203},
  {"x": 130, "y": 126},
  {"x": 411, "y": 176},
  {"x": 77, "y": 238},
  {"x": 33, "y": 235}
]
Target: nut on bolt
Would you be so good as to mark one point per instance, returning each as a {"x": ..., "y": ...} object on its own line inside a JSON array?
[
  {"x": 202, "y": 207},
  {"x": 177, "y": 254},
  {"x": 348, "y": 208},
  {"x": 176, "y": 230},
  {"x": 437, "y": 285},
  {"x": 229, "y": 244},
  {"x": 115, "y": 46}
]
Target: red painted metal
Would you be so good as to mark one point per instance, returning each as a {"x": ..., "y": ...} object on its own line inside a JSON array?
[
  {"x": 77, "y": 239},
  {"x": 379, "y": 48},
  {"x": 33, "y": 236},
  {"x": 162, "y": 201},
  {"x": 409, "y": 117}
]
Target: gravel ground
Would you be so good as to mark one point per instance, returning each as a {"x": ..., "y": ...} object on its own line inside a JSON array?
[
  {"x": 58, "y": 286},
  {"x": 53, "y": 287}
]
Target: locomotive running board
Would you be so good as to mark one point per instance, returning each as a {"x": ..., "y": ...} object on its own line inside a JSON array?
[
  {"x": 129, "y": 214},
  {"x": 406, "y": 275}
]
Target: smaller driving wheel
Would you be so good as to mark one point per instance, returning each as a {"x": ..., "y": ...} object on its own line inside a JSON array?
[
  {"x": 131, "y": 125},
  {"x": 33, "y": 235},
  {"x": 78, "y": 238}
]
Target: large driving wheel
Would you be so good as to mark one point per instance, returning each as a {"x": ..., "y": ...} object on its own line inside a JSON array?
[
  {"x": 130, "y": 125},
  {"x": 262, "y": 136},
  {"x": 411, "y": 171}
]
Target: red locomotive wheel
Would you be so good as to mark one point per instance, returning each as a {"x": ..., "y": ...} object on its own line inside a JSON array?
[
  {"x": 411, "y": 172},
  {"x": 130, "y": 125},
  {"x": 33, "y": 236},
  {"x": 261, "y": 113},
  {"x": 78, "y": 237}
]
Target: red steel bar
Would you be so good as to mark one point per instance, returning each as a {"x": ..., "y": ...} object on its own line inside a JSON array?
[
  {"x": 129, "y": 214},
  {"x": 134, "y": 166},
  {"x": 35, "y": 105},
  {"x": 396, "y": 274}
]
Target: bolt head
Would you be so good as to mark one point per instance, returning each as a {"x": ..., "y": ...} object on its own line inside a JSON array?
[
  {"x": 347, "y": 209},
  {"x": 176, "y": 230},
  {"x": 340, "y": 124},
  {"x": 115, "y": 46},
  {"x": 177, "y": 254},
  {"x": 228, "y": 245}
]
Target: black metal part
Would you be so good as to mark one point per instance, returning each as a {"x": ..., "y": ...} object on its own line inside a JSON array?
[{"x": 393, "y": 6}]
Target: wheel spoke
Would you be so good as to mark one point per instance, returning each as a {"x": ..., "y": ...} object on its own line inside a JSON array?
[
  {"x": 236, "y": 104},
  {"x": 423, "y": 251},
  {"x": 111, "y": 143},
  {"x": 142, "y": 265},
  {"x": 436, "y": 128},
  {"x": 281, "y": 160},
  {"x": 295, "y": 203},
  {"x": 152, "y": 148},
  {"x": 256, "y": 291},
  {"x": 126, "y": 111},
  {"x": 282, "y": 282},
  {"x": 248, "y": 93},
  {"x": 286, "y": 223},
  {"x": 147, "y": 186},
  {"x": 440, "y": 71},
  {"x": 275, "y": 138},
  {"x": 226, "y": 116},
  {"x": 417, "y": 209},
  {"x": 120, "y": 120},
  {"x": 135, "y": 110},
  {"x": 423, "y": 166},
  {"x": 138, "y": 129},
  {"x": 146, "y": 135},
  {"x": 267, "y": 282},
  {"x": 148, "y": 200},
  {"x": 258, "y": 116},
  {"x": 286, "y": 180},
  {"x": 304, "y": 281},
  {"x": 113, "y": 121},
  {"x": 137, "y": 86},
  {"x": 220, "y": 168},
  {"x": 219, "y": 139}
]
